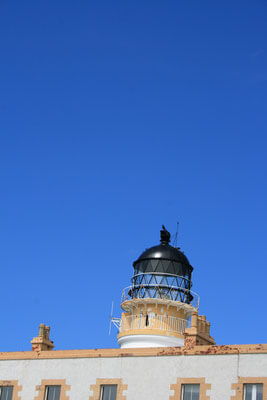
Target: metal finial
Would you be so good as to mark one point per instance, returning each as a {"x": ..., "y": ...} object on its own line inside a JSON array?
[{"x": 165, "y": 236}]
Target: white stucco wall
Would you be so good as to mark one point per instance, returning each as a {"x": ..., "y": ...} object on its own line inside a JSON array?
[{"x": 147, "y": 377}]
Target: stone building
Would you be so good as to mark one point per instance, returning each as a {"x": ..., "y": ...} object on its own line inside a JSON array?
[{"x": 166, "y": 351}]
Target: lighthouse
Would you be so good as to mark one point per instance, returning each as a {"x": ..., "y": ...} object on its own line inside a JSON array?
[{"x": 158, "y": 305}]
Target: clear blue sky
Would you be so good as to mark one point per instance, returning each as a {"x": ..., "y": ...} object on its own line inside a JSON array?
[{"x": 116, "y": 117}]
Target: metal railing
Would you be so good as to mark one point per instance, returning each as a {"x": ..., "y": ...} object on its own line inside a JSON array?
[
  {"x": 168, "y": 293},
  {"x": 153, "y": 321}
]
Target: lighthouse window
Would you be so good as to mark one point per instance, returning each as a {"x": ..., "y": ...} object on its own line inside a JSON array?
[
  {"x": 52, "y": 392},
  {"x": 6, "y": 392},
  {"x": 190, "y": 392},
  {"x": 108, "y": 392},
  {"x": 253, "y": 391}
]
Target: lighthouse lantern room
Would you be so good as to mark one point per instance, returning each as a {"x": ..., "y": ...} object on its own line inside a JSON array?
[{"x": 158, "y": 305}]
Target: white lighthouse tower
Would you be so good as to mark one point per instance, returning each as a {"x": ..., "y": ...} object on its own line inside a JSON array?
[{"x": 159, "y": 303}]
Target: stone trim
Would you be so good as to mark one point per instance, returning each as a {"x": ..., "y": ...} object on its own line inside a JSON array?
[
  {"x": 51, "y": 382},
  {"x": 239, "y": 386},
  {"x": 99, "y": 382},
  {"x": 177, "y": 388},
  {"x": 138, "y": 352},
  {"x": 16, "y": 388}
]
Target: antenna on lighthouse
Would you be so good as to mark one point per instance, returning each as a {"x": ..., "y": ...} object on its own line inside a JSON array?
[
  {"x": 113, "y": 320},
  {"x": 111, "y": 315},
  {"x": 175, "y": 239}
]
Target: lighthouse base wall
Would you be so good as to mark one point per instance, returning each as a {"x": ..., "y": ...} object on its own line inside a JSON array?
[{"x": 135, "y": 341}]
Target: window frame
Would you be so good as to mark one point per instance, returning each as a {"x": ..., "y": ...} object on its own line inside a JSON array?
[
  {"x": 41, "y": 389},
  {"x": 16, "y": 388},
  {"x": 178, "y": 387},
  {"x": 239, "y": 387},
  {"x": 96, "y": 388}
]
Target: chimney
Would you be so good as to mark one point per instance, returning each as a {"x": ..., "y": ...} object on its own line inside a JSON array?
[
  {"x": 199, "y": 333},
  {"x": 42, "y": 341}
]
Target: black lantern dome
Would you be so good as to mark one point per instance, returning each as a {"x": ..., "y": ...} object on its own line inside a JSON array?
[{"x": 162, "y": 271}]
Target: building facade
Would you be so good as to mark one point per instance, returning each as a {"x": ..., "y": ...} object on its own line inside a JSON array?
[{"x": 220, "y": 372}]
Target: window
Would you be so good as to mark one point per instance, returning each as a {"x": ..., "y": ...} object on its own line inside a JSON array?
[
  {"x": 190, "y": 389},
  {"x": 253, "y": 391},
  {"x": 108, "y": 389},
  {"x": 52, "y": 392},
  {"x": 108, "y": 392},
  {"x": 190, "y": 392},
  {"x": 6, "y": 392}
]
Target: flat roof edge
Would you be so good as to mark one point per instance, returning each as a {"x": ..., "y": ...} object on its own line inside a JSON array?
[{"x": 137, "y": 352}]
